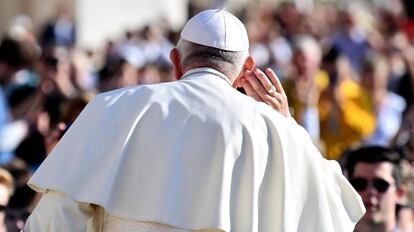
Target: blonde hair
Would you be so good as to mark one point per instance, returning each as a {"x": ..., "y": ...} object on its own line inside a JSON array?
[{"x": 6, "y": 179}]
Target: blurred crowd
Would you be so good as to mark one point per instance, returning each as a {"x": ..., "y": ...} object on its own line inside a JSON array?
[{"x": 348, "y": 72}]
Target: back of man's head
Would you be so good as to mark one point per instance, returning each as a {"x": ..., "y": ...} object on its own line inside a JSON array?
[
  {"x": 216, "y": 39},
  {"x": 226, "y": 61},
  {"x": 373, "y": 155}
]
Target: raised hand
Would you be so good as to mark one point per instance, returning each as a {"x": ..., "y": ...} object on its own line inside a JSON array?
[{"x": 265, "y": 87}]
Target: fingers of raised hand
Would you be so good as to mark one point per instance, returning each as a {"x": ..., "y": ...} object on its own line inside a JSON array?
[
  {"x": 275, "y": 80},
  {"x": 256, "y": 84},
  {"x": 276, "y": 101},
  {"x": 249, "y": 89},
  {"x": 278, "y": 86},
  {"x": 265, "y": 81},
  {"x": 269, "y": 89}
]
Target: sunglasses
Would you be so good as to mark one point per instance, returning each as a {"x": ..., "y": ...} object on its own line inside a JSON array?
[
  {"x": 361, "y": 184},
  {"x": 2, "y": 208}
]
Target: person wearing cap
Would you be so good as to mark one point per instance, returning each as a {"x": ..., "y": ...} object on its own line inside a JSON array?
[{"x": 194, "y": 154}]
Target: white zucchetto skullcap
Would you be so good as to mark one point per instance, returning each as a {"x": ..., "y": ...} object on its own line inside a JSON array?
[{"x": 218, "y": 29}]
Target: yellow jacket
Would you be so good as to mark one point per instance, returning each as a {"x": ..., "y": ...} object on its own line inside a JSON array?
[{"x": 347, "y": 123}]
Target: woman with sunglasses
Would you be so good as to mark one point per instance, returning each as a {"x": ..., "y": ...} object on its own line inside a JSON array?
[{"x": 375, "y": 173}]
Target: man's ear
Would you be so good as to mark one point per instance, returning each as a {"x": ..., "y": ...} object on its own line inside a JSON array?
[
  {"x": 401, "y": 191},
  {"x": 175, "y": 59},
  {"x": 249, "y": 64}
]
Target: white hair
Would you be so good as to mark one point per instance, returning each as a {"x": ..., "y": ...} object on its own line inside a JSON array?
[
  {"x": 309, "y": 46},
  {"x": 190, "y": 52}
]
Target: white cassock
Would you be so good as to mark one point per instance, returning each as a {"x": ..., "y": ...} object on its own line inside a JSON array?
[{"x": 193, "y": 154}]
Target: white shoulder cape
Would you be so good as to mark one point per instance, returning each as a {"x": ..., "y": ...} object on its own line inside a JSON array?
[{"x": 197, "y": 154}]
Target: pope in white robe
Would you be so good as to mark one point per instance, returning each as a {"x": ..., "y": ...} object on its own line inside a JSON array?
[{"x": 190, "y": 155}]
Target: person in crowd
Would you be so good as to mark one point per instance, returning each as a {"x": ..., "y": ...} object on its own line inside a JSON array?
[
  {"x": 351, "y": 39},
  {"x": 375, "y": 173},
  {"x": 401, "y": 60},
  {"x": 387, "y": 106},
  {"x": 405, "y": 206},
  {"x": 6, "y": 191},
  {"x": 11, "y": 131},
  {"x": 345, "y": 113},
  {"x": 306, "y": 83},
  {"x": 61, "y": 31}
]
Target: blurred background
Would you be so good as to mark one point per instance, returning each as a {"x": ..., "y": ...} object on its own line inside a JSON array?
[{"x": 347, "y": 68}]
